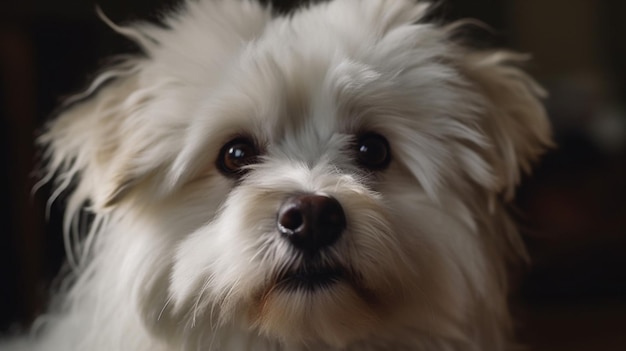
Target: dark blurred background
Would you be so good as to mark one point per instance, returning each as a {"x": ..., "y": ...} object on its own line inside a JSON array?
[{"x": 573, "y": 208}]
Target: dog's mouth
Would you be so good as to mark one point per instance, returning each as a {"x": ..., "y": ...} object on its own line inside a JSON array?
[{"x": 310, "y": 278}]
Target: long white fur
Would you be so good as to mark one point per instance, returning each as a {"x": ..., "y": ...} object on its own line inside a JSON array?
[{"x": 180, "y": 257}]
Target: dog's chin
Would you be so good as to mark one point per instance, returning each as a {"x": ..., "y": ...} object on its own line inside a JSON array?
[{"x": 311, "y": 304}]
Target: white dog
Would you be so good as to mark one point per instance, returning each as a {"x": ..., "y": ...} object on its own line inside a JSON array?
[{"x": 335, "y": 179}]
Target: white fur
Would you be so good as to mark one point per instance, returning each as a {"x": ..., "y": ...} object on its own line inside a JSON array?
[{"x": 179, "y": 256}]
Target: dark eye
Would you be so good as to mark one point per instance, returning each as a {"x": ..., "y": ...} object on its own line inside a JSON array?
[
  {"x": 373, "y": 151},
  {"x": 235, "y": 155}
]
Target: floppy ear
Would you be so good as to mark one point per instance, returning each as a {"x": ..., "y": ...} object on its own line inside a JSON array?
[
  {"x": 514, "y": 117},
  {"x": 88, "y": 142}
]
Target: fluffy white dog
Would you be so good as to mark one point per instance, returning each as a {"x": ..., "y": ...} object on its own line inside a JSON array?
[{"x": 335, "y": 179}]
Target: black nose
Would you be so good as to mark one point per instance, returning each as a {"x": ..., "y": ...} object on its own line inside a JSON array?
[{"x": 311, "y": 222}]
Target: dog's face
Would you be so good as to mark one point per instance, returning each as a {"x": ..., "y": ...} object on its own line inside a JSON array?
[{"x": 318, "y": 179}]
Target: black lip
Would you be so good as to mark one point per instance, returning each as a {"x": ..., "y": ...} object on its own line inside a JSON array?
[{"x": 310, "y": 278}]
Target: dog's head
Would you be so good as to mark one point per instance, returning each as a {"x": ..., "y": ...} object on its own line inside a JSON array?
[{"x": 317, "y": 178}]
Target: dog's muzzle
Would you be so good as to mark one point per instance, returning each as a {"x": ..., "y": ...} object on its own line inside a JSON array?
[{"x": 311, "y": 222}]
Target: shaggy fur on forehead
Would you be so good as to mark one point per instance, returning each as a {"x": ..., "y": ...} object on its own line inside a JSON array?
[
  {"x": 209, "y": 43},
  {"x": 181, "y": 257}
]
